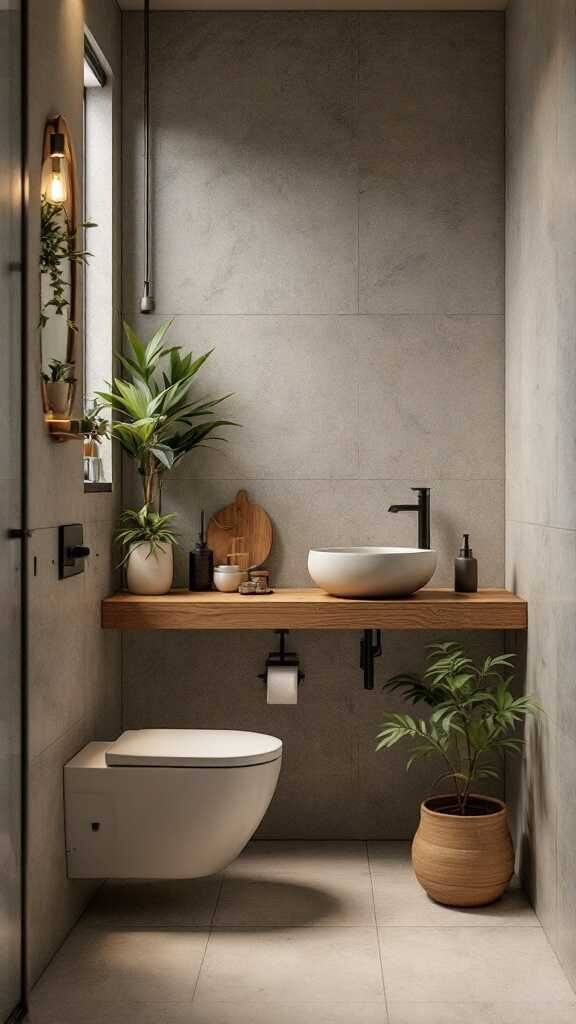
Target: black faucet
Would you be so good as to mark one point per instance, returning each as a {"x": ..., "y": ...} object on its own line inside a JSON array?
[{"x": 422, "y": 507}]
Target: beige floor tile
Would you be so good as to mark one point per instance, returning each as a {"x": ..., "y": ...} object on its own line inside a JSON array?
[
  {"x": 98, "y": 967},
  {"x": 218, "y": 1013},
  {"x": 515, "y": 965},
  {"x": 290, "y": 1013},
  {"x": 404, "y": 902},
  {"x": 291, "y": 900},
  {"x": 481, "y": 1013},
  {"x": 441, "y": 1013},
  {"x": 125, "y": 1013},
  {"x": 269, "y": 857},
  {"x": 172, "y": 903},
  {"x": 310, "y": 965},
  {"x": 391, "y": 859},
  {"x": 536, "y": 1013}
]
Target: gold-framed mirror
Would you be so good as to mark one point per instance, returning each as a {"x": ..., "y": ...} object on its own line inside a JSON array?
[{"x": 61, "y": 257}]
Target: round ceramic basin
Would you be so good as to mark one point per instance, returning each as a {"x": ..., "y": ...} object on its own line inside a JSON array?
[{"x": 371, "y": 571}]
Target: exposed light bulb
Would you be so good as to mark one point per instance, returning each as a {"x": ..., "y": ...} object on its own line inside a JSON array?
[{"x": 56, "y": 191}]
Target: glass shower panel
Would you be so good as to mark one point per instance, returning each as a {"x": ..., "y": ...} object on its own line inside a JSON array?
[{"x": 10, "y": 507}]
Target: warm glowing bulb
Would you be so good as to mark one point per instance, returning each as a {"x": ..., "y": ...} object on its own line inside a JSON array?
[{"x": 56, "y": 191}]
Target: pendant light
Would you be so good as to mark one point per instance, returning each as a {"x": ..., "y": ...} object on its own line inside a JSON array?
[{"x": 147, "y": 304}]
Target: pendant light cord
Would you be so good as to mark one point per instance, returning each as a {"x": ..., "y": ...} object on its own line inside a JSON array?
[{"x": 147, "y": 303}]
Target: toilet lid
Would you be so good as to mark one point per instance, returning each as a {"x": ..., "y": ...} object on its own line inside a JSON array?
[{"x": 189, "y": 748}]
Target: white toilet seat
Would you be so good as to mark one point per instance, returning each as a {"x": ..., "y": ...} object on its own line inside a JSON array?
[{"x": 192, "y": 748}]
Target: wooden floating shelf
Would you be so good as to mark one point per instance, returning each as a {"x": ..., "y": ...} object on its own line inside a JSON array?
[{"x": 313, "y": 609}]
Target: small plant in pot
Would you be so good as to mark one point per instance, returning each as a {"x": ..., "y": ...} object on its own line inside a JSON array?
[
  {"x": 462, "y": 852},
  {"x": 149, "y": 542},
  {"x": 59, "y": 384}
]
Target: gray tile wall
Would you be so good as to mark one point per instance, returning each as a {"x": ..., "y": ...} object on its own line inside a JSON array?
[
  {"x": 74, "y": 668},
  {"x": 328, "y": 202},
  {"x": 541, "y": 440}
]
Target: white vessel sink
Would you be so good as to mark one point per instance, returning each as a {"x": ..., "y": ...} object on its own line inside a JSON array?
[{"x": 371, "y": 571}]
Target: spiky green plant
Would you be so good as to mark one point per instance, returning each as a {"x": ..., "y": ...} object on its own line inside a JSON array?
[
  {"x": 157, "y": 421},
  {"x": 473, "y": 720},
  {"x": 145, "y": 527}
]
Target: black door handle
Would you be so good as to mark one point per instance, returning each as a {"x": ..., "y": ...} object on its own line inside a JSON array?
[{"x": 78, "y": 551}]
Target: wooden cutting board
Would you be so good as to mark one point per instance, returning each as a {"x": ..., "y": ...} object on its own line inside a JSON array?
[{"x": 243, "y": 520}]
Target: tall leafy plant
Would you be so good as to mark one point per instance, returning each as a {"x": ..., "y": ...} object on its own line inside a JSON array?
[
  {"x": 158, "y": 421},
  {"x": 473, "y": 717}
]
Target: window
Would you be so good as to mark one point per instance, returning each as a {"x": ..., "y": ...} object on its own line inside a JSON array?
[{"x": 98, "y": 276}]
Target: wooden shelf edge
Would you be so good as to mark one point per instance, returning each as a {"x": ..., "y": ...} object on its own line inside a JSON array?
[{"x": 429, "y": 609}]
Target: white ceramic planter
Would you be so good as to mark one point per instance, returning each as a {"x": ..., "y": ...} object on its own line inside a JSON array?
[
  {"x": 58, "y": 393},
  {"x": 150, "y": 572}
]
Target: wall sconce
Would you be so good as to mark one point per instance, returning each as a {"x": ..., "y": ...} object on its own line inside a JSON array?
[{"x": 56, "y": 189}]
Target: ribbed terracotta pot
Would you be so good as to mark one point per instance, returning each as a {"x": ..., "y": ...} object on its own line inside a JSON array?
[{"x": 463, "y": 861}]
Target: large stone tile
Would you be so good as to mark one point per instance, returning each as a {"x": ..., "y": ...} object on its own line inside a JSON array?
[
  {"x": 253, "y": 122},
  {"x": 300, "y": 859},
  {"x": 331, "y": 513},
  {"x": 405, "y": 903},
  {"x": 431, "y": 397},
  {"x": 285, "y": 900},
  {"x": 113, "y": 968},
  {"x": 539, "y": 213},
  {"x": 293, "y": 384},
  {"x": 218, "y": 1013},
  {"x": 181, "y": 903},
  {"x": 336, "y": 964},
  {"x": 481, "y": 1013},
  {"x": 431, "y": 106},
  {"x": 432, "y": 964},
  {"x": 566, "y": 842},
  {"x": 390, "y": 859},
  {"x": 309, "y": 806},
  {"x": 102, "y": 648},
  {"x": 54, "y": 902},
  {"x": 57, "y": 684}
]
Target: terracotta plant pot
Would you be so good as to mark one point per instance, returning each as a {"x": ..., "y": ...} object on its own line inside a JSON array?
[
  {"x": 463, "y": 861},
  {"x": 150, "y": 572}
]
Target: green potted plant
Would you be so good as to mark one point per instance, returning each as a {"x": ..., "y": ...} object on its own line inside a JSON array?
[
  {"x": 158, "y": 422},
  {"x": 59, "y": 387},
  {"x": 462, "y": 852},
  {"x": 149, "y": 542},
  {"x": 95, "y": 428}
]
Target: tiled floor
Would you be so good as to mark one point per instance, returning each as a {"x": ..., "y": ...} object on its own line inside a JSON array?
[{"x": 303, "y": 933}]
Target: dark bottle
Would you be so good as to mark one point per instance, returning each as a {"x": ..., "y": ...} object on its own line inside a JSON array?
[
  {"x": 201, "y": 562},
  {"x": 466, "y": 570}
]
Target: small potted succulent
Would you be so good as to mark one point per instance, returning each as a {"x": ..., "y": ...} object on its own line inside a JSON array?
[
  {"x": 462, "y": 852},
  {"x": 59, "y": 387},
  {"x": 149, "y": 542}
]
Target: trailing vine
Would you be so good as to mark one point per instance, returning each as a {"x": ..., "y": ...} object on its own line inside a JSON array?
[{"x": 58, "y": 248}]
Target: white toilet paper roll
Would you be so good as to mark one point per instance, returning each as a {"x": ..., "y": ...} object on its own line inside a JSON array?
[{"x": 282, "y": 685}]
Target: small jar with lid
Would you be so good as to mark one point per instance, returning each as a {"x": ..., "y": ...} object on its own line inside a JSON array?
[{"x": 227, "y": 578}]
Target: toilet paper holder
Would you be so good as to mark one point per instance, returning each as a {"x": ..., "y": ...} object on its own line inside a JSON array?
[{"x": 282, "y": 657}]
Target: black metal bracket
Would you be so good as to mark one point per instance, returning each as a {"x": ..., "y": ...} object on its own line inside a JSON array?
[
  {"x": 282, "y": 657},
  {"x": 368, "y": 651}
]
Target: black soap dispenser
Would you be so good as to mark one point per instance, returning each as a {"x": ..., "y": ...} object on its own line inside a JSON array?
[
  {"x": 466, "y": 570},
  {"x": 201, "y": 562}
]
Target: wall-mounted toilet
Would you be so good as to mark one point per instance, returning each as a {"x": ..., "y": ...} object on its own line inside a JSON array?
[{"x": 167, "y": 803}]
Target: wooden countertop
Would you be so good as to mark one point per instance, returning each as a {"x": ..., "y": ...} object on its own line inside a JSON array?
[{"x": 308, "y": 608}]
